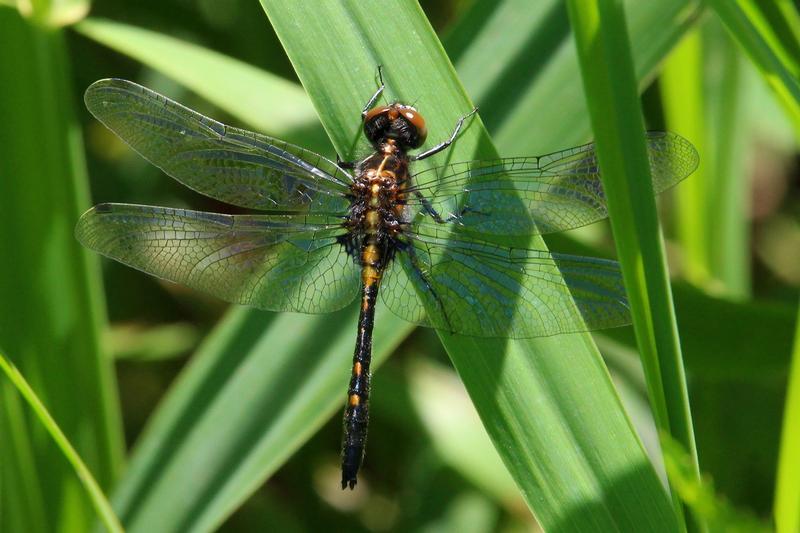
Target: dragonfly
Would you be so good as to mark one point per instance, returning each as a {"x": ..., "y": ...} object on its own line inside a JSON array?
[{"x": 325, "y": 233}]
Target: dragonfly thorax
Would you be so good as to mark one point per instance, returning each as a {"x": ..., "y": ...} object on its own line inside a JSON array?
[
  {"x": 378, "y": 192},
  {"x": 398, "y": 122}
]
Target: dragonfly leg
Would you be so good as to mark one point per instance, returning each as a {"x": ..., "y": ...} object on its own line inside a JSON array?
[
  {"x": 444, "y": 144},
  {"x": 375, "y": 96},
  {"x": 346, "y": 165},
  {"x": 428, "y": 209}
]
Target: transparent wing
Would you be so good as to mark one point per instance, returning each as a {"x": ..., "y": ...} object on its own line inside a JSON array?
[
  {"x": 537, "y": 195},
  {"x": 482, "y": 290},
  {"x": 233, "y": 165},
  {"x": 278, "y": 262}
]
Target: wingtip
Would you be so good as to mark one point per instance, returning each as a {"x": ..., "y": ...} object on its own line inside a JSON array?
[
  {"x": 110, "y": 82},
  {"x": 83, "y": 223},
  {"x": 689, "y": 147},
  {"x": 80, "y": 226},
  {"x": 89, "y": 96}
]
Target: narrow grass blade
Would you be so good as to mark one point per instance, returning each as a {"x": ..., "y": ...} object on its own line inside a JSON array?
[
  {"x": 256, "y": 390},
  {"x": 731, "y": 129},
  {"x": 272, "y": 104},
  {"x": 451, "y": 421},
  {"x": 746, "y": 341},
  {"x": 787, "y": 490},
  {"x": 51, "y": 313},
  {"x": 93, "y": 490},
  {"x": 611, "y": 91},
  {"x": 547, "y": 404},
  {"x": 769, "y": 37},
  {"x": 539, "y": 98},
  {"x": 706, "y": 106},
  {"x": 699, "y": 494},
  {"x": 685, "y": 113}
]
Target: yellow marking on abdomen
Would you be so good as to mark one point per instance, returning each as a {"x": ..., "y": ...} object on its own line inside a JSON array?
[
  {"x": 357, "y": 368},
  {"x": 370, "y": 276},
  {"x": 370, "y": 255},
  {"x": 354, "y": 400}
]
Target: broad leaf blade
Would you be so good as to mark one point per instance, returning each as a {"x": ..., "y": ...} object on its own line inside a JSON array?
[{"x": 576, "y": 472}]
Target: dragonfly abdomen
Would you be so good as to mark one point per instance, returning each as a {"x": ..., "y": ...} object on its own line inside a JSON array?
[
  {"x": 380, "y": 185},
  {"x": 356, "y": 413}
]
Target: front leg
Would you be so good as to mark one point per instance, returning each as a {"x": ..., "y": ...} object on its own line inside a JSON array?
[
  {"x": 371, "y": 101},
  {"x": 345, "y": 165},
  {"x": 442, "y": 145}
]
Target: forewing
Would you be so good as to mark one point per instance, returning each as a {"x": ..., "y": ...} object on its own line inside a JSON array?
[
  {"x": 483, "y": 290},
  {"x": 233, "y": 165},
  {"x": 537, "y": 195},
  {"x": 278, "y": 263}
]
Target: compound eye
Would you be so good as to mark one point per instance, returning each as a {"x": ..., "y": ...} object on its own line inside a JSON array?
[{"x": 415, "y": 119}]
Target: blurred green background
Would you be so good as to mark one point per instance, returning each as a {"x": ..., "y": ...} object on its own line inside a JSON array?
[{"x": 194, "y": 416}]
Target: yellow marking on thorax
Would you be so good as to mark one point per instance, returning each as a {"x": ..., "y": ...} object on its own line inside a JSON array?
[
  {"x": 383, "y": 164},
  {"x": 372, "y": 218},
  {"x": 370, "y": 256}
]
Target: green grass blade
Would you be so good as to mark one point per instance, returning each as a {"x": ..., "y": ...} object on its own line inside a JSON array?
[
  {"x": 547, "y": 404},
  {"x": 24, "y": 507},
  {"x": 50, "y": 294},
  {"x": 769, "y": 37},
  {"x": 611, "y": 90},
  {"x": 684, "y": 112},
  {"x": 257, "y": 389},
  {"x": 699, "y": 494},
  {"x": 450, "y": 420},
  {"x": 93, "y": 490},
  {"x": 787, "y": 490},
  {"x": 746, "y": 341},
  {"x": 246, "y": 92},
  {"x": 546, "y": 108},
  {"x": 706, "y": 106},
  {"x": 732, "y": 133}
]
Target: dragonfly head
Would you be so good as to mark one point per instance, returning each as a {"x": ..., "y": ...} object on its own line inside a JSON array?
[{"x": 397, "y": 121}]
